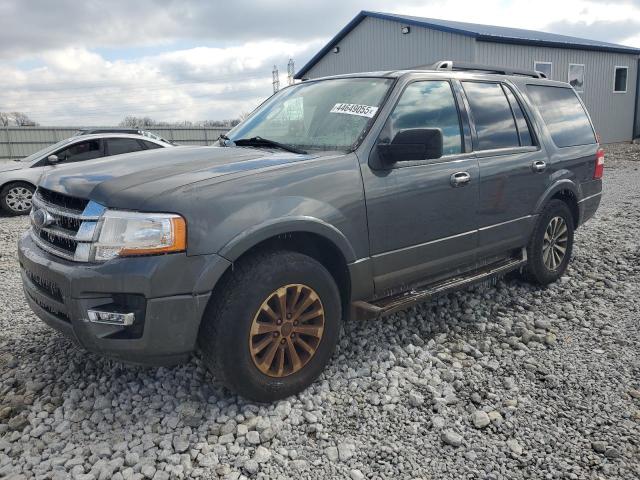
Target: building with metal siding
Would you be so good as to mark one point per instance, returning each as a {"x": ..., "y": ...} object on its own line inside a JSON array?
[{"x": 375, "y": 41}]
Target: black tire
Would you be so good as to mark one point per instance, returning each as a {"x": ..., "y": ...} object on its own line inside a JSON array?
[
  {"x": 9, "y": 206},
  {"x": 225, "y": 331},
  {"x": 538, "y": 269}
]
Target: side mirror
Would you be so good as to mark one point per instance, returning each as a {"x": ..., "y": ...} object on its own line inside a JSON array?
[
  {"x": 53, "y": 159},
  {"x": 413, "y": 144}
]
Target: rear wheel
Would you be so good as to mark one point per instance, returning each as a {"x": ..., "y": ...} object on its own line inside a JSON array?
[
  {"x": 15, "y": 198},
  {"x": 272, "y": 326},
  {"x": 551, "y": 244}
]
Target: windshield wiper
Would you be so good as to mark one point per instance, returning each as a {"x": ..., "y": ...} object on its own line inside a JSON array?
[{"x": 265, "y": 142}]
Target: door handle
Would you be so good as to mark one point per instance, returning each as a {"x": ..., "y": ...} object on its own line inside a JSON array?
[
  {"x": 538, "y": 166},
  {"x": 460, "y": 179}
]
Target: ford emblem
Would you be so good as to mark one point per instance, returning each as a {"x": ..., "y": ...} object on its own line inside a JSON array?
[{"x": 42, "y": 218}]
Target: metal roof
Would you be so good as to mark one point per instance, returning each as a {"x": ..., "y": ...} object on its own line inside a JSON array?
[{"x": 485, "y": 33}]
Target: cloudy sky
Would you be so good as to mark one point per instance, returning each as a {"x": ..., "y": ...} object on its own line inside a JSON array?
[{"x": 91, "y": 62}]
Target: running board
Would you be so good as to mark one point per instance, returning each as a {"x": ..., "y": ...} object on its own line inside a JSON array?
[{"x": 386, "y": 306}]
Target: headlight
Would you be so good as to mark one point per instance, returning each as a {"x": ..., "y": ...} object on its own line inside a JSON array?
[{"x": 132, "y": 233}]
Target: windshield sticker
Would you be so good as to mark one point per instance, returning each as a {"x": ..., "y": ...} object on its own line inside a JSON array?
[{"x": 353, "y": 109}]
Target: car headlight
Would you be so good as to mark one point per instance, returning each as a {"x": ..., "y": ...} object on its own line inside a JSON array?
[{"x": 125, "y": 234}]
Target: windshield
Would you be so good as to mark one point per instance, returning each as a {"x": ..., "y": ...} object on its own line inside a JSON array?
[
  {"x": 45, "y": 151},
  {"x": 323, "y": 115}
]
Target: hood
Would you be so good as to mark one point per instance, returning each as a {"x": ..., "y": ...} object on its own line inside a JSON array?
[
  {"x": 145, "y": 174},
  {"x": 9, "y": 165}
]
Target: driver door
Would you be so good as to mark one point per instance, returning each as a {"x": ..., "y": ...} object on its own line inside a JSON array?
[
  {"x": 80, "y": 151},
  {"x": 422, "y": 214}
]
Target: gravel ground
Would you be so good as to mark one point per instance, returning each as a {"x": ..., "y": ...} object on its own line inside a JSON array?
[{"x": 511, "y": 381}]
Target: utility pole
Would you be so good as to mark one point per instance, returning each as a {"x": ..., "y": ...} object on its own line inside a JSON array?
[
  {"x": 276, "y": 79},
  {"x": 290, "y": 70}
]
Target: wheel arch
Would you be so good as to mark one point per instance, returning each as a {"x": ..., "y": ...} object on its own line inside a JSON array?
[
  {"x": 17, "y": 181},
  {"x": 566, "y": 191},
  {"x": 312, "y": 237},
  {"x": 276, "y": 228}
]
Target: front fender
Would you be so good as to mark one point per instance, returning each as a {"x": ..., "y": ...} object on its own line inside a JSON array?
[{"x": 252, "y": 236}]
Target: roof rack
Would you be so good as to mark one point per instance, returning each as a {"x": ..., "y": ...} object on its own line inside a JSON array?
[{"x": 468, "y": 66}]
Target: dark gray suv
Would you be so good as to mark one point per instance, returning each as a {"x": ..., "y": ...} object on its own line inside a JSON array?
[{"x": 349, "y": 196}]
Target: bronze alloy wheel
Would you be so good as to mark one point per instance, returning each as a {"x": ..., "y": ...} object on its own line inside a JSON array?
[
  {"x": 554, "y": 244},
  {"x": 286, "y": 330}
]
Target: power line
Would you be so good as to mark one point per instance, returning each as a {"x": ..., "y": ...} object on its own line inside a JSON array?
[
  {"x": 230, "y": 76},
  {"x": 128, "y": 106},
  {"x": 129, "y": 89}
]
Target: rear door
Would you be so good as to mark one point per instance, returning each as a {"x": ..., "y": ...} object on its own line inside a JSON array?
[
  {"x": 118, "y": 146},
  {"x": 514, "y": 170},
  {"x": 422, "y": 225}
]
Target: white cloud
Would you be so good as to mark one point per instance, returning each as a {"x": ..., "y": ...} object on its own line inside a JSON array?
[
  {"x": 76, "y": 86},
  {"x": 89, "y": 62}
]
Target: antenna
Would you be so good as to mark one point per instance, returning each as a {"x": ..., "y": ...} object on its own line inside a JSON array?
[
  {"x": 276, "y": 79},
  {"x": 290, "y": 69}
]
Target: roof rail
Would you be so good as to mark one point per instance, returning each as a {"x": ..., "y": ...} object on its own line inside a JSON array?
[{"x": 468, "y": 66}]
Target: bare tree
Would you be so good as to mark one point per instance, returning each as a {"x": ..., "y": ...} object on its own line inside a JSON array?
[
  {"x": 16, "y": 118},
  {"x": 131, "y": 121}
]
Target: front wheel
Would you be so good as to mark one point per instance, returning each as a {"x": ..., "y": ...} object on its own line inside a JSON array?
[
  {"x": 15, "y": 198},
  {"x": 272, "y": 325},
  {"x": 551, "y": 244}
]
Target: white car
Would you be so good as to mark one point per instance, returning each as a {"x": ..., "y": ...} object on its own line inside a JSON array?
[{"x": 18, "y": 179}]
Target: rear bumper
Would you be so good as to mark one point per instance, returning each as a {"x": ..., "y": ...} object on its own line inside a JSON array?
[
  {"x": 168, "y": 295},
  {"x": 588, "y": 206}
]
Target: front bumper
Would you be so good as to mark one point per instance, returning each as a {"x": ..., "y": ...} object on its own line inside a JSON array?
[{"x": 168, "y": 294}]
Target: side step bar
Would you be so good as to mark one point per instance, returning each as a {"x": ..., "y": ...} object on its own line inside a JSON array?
[{"x": 386, "y": 306}]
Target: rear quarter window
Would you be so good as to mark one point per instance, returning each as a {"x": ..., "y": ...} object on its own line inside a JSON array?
[{"x": 563, "y": 114}]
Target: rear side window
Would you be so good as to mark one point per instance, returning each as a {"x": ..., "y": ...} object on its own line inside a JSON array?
[
  {"x": 564, "y": 115},
  {"x": 150, "y": 145},
  {"x": 521, "y": 122},
  {"x": 428, "y": 104},
  {"x": 491, "y": 112},
  {"x": 116, "y": 146}
]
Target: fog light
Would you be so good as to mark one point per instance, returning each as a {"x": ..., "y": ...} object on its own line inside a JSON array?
[{"x": 111, "y": 318}]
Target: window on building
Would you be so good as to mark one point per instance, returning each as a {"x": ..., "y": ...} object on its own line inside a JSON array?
[
  {"x": 521, "y": 122},
  {"x": 81, "y": 151},
  {"x": 544, "y": 67},
  {"x": 575, "y": 77},
  {"x": 492, "y": 116},
  {"x": 116, "y": 146},
  {"x": 428, "y": 104},
  {"x": 620, "y": 80},
  {"x": 563, "y": 114}
]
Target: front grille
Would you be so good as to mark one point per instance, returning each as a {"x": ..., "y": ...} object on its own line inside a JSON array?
[
  {"x": 56, "y": 312},
  {"x": 62, "y": 200},
  {"x": 64, "y": 226},
  {"x": 47, "y": 286}
]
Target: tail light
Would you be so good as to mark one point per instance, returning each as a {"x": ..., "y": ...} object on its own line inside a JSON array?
[{"x": 599, "y": 170}]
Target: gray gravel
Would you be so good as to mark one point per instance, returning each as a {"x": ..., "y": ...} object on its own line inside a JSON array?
[{"x": 511, "y": 381}]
